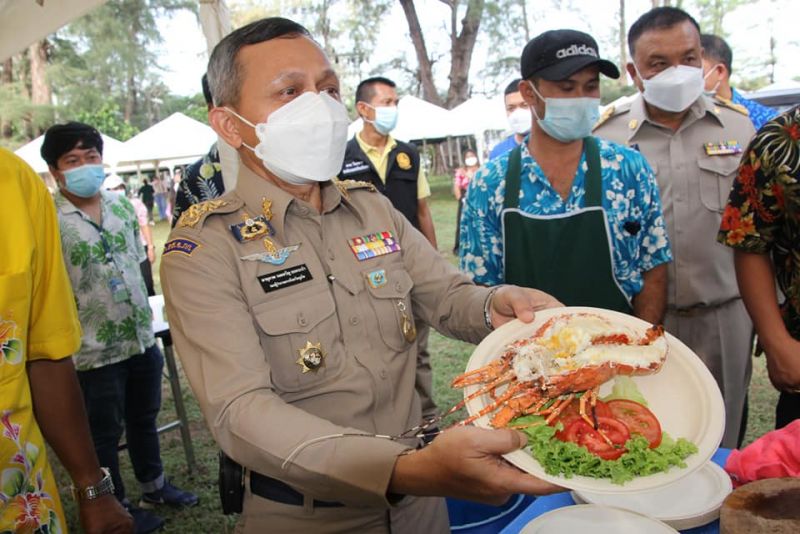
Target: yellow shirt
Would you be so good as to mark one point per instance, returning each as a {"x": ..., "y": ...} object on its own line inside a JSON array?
[
  {"x": 380, "y": 160},
  {"x": 38, "y": 320}
]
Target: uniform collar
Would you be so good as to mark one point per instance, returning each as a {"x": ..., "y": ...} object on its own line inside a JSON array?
[
  {"x": 701, "y": 108},
  {"x": 391, "y": 142},
  {"x": 252, "y": 189}
]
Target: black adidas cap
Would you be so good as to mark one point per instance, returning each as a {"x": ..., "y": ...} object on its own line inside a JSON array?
[{"x": 558, "y": 54}]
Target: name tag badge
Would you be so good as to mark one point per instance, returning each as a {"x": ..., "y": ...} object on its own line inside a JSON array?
[
  {"x": 285, "y": 278},
  {"x": 119, "y": 293}
]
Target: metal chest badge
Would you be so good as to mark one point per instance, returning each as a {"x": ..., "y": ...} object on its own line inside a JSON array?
[
  {"x": 403, "y": 161},
  {"x": 377, "y": 278},
  {"x": 373, "y": 245},
  {"x": 252, "y": 228},
  {"x": 311, "y": 357},
  {"x": 278, "y": 257},
  {"x": 723, "y": 148}
]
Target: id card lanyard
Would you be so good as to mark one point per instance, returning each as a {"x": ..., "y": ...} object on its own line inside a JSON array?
[{"x": 116, "y": 283}]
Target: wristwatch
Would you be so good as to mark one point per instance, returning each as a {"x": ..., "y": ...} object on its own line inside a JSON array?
[{"x": 89, "y": 493}]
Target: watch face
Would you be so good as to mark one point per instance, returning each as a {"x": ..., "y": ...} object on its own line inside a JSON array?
[{"x": 104, "y": 487}]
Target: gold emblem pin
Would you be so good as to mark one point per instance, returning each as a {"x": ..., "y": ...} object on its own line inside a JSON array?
[
  {"x": 311, "y": 357},
  {"x": 633, "y": 124},
  {"x": 253, "y": 228},
  {"x": 403, "y": 161},
  {"x": 266, "y": 208}
]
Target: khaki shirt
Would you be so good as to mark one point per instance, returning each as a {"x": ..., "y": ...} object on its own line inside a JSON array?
[
  {"x": 694, "y": 190},
  {"x": 240, "y": 339}
]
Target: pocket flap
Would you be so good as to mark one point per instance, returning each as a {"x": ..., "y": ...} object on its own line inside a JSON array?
[
  {"x": 398, "y": 284},
  {"x": 283, "y": 316},
  {"x": 722, "y": 165}
]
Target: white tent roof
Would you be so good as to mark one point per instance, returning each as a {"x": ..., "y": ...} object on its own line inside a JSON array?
[
  {"x": 23, "y": 22},
  {"x": 479, "y": 114},
  {"x": 112, "y": 152},
  {"x": 176, "y": 137}
]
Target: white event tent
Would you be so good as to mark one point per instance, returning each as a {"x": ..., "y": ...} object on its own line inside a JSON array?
[
  {"x": 177, "y": 139},
  {"x": 112, "y": 153}
]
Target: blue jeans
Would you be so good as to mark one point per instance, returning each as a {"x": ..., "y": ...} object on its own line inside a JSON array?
[{"x": 127, "y": 396}]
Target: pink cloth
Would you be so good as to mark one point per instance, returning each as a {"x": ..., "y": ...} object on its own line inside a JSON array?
[
  {"x": 141, "y": 215},
  {"x": 776, "y": 454},
  {"x": 462, "y": 178}
]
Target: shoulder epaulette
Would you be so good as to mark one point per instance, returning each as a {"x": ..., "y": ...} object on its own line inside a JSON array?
[
  {"x": 607, "y": 114},
  {"x": 198, "y": 212},
  {"x": 348, "y": 185},
  {"x": 612, "y": 111},
  {"x": 731, "y": 105}
]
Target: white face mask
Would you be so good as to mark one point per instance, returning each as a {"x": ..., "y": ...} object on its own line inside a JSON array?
[
  {"x": 520, "y": 121},
  {"x": 470, "y": 161},
  {"x": 673, "y": 89},
  {"x": 304, "y": 141}
]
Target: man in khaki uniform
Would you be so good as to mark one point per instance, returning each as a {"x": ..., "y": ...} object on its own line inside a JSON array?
[
  {"x": 694, "y": 145},
  {"x": 291, "y": 301}
]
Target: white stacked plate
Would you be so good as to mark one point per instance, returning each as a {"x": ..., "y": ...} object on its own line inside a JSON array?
[
  {"x": 595, "y": 519},
  {"x": 690, "y": 502}
]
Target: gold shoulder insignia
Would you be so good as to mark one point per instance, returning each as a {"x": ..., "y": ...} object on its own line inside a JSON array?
[
  {"x": 345, "y": 186},
  {"x": 607, "y": 114},
  {"x": 196, "y": 212},
  {"x": 731, "y": 105}
]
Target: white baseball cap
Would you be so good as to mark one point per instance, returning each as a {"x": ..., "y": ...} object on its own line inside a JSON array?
[{"x": 112, "y": 181}]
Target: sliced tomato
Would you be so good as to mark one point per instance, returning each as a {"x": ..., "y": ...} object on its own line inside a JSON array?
[
  {"x": 573, "y": 412},
  {"x": 582, "y": 433},
  {"x": 638, "y": 419}
]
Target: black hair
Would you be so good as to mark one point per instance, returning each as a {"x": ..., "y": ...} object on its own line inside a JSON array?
[
  {"x": 366, "y": 88},
  {"x": 512, "y": 87},
  {"x": 61, "y": 138},
  {"x": 224, "y": 73},
  {"x": 658, "y": 18},
  {"x": 717, "y": 49},
  {"x": 206, "y": 90}
]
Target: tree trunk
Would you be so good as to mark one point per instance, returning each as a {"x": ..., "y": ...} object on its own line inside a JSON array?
[
  {"x": 524, "y": 6},
  {"x": 6, "y": 78},
  {"x": 425, "y": 71},
  {"x": 623, "y": 48},
  {"x": 461, "y": 52},
  {"x": 40, "y": 88}
]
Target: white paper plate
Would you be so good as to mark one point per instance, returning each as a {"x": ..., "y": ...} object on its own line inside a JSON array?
[
  {"x": 595, "y": 519},
  {"x": 683, "y": 395},
  {"x": 691, "y": 502}
]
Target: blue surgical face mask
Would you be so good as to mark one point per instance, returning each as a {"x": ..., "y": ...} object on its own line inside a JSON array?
[
  {"x": 84, "y": 181},
  {"x": 385, "y": 118},
  {"x": 568, "y": 119}
]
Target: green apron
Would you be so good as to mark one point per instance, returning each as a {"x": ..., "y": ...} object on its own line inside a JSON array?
[{"x": 567, "y": 255}]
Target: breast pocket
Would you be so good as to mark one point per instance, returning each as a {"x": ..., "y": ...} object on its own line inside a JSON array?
[
  {"x": 299, "y": 334},
  {"x": 391, "y": 303},
  {"x": 716, "y": 179}
]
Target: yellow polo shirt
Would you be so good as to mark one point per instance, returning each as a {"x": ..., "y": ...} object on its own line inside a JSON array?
[{"x": 380, "y": 160}]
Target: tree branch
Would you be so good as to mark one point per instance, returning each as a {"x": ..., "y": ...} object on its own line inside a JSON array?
[{"x": 429, "y": 92}]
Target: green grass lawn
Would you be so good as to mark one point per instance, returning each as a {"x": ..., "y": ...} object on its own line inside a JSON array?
[{"x": 449, "y": 358}]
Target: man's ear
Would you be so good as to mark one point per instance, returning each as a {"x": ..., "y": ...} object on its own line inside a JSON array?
[
  {"x": 57, "y": 175},
  {"x": 226, "y": 125},
  {"x": 634, "y": 75},
  {"x": 527, "y": 93},
  {"x": 362, "y": 109}
]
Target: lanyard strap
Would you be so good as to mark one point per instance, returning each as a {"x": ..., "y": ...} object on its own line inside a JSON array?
[{"x": 592, "y": 180}]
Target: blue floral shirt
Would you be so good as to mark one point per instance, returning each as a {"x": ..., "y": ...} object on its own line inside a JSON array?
[
  {"x": 759, "y": 113},
  {"x": 630, "y": 199}
]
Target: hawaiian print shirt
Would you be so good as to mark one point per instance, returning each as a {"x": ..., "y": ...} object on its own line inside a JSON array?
[
  {"x": 103, "y": 265},
  {"x": 759, "y": 113},
  {"x": 630, "y": 199},
  {"x": 38, "y": 321},
  {"x": 203, "y": 181},
  {"x": 763, "y": 211}
]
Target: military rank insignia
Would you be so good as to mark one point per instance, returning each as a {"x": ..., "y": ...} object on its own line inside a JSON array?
[
  {"x": 192, "y": 216},
  {"x": 311, "y": 357},
  {"x": 373, "y": 245},
  {"x": 252, "y": 228},
  {"x": 403, "y": 161},
  {"x": 723, "y": 148}
]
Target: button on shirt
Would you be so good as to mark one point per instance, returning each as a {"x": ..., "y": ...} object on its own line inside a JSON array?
[
  {"x": 630, "y": 200},
  {"x": 759, "y": 113},
  {"x": 380, "y": 160},
  {"x": 103, "y": 266}
]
